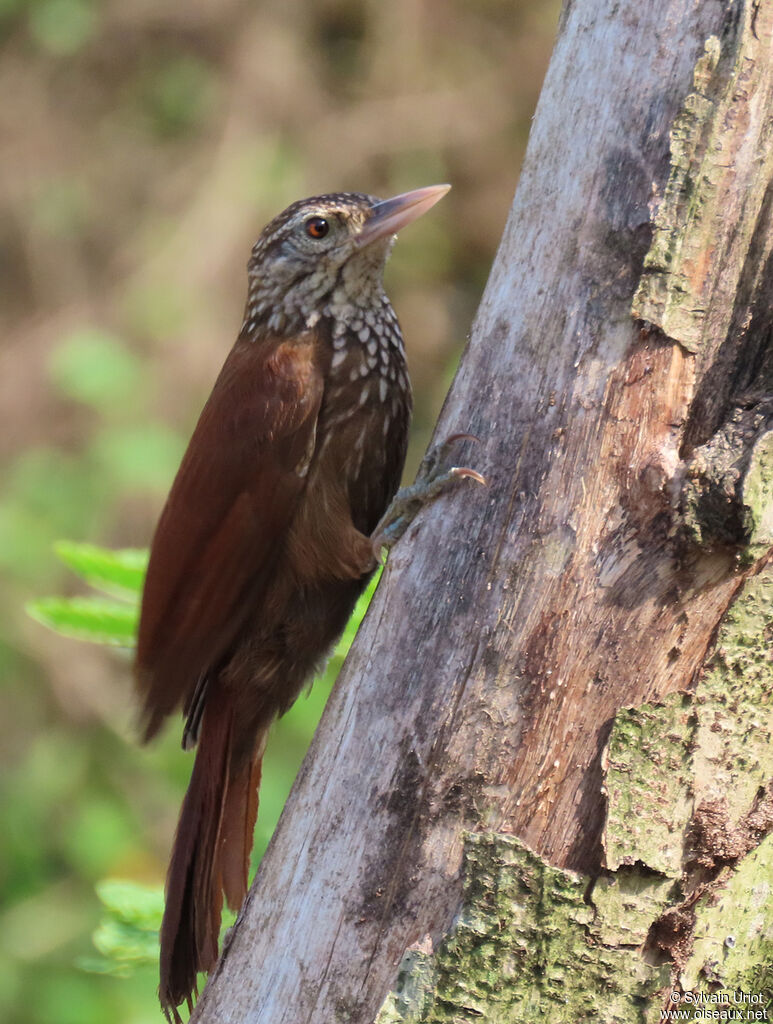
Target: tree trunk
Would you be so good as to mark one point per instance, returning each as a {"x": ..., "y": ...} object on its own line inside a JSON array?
[{"x": 539, "y": 789}]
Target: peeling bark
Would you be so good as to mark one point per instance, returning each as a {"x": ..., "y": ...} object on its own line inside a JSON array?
[
  {"x": 688, "y": 873},
  {"x": 525, "y": 931},
  {"x": 541, "y": 788}
]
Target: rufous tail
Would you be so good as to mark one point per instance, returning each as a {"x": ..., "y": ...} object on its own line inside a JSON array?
[{"x": 210, "y": 855}]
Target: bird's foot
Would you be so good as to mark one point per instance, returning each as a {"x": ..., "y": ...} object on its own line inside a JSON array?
[{"x": 431, "y": 481}]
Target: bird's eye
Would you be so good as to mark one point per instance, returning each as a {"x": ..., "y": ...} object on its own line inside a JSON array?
[{"x": 317, "y": 227}]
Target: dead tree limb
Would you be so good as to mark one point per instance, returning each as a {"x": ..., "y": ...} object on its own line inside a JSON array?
[{"x": 544, "y": 766}]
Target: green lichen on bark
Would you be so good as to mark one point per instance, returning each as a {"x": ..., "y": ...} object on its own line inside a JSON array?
[
  {"x": 758, "y": 494},
  {"x": 533, "y": 942},
  {"x": 414, "y": 990},
  {"x": 716, "y": 744},
  {"x": 627, "y": 903},
  {"x": 733, "y": 757},
  {"x": 683, "y": 780},
  {"x": 720, "y": 160},
  {"x": 527, "y": 946},
  {"x": 663, "y": 296},
  {"x": 648, "y": 784},
  {"x": 734, "y": 929}
]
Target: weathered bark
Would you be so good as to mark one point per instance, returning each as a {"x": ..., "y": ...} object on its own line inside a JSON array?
[{"x": 565, "y": 678}]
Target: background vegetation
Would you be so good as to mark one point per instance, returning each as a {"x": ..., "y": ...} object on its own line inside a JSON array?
[{"x": 145, "y": 145}]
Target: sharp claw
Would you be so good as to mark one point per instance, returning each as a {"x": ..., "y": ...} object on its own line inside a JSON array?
[
  {"x": 470, "y": 474},
  {"x": 461, "y": 437},
  {"x": 437, "y": 455}
]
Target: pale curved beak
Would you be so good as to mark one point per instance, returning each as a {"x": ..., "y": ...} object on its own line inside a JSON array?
[{"x": 391, "y": 215}]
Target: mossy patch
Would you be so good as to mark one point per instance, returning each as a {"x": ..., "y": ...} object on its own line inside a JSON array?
[{"x": 526, "y": 946}]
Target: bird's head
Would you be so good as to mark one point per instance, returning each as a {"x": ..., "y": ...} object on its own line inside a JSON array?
[{"x": 329, "y": 249}]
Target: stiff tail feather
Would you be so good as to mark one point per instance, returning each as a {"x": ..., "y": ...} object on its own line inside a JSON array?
[{"x": 210, "y": 855}]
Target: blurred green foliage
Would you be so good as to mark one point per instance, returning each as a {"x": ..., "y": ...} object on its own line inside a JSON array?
[
  {"x": 145, "y": 146},
  {"x": 127, "y": 937},
  {"x": 177, "y": 94},
  {"x": 95, "y": 368}
]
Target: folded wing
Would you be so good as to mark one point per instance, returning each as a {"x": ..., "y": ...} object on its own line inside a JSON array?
[{"x": 226, "y": 516}]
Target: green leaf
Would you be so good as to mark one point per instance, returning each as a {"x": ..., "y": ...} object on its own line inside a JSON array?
[
  {"x": 88, "y": 618},
  {"x": 118, "y": 573},
  {"x": 121, "y": 942},
  {"x": 101, "y": 965},
  {"x": 132, "y": 903},
  {"x": 127, "y": 936}
]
